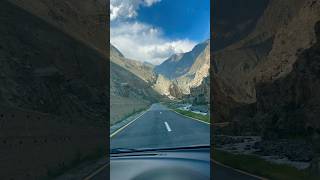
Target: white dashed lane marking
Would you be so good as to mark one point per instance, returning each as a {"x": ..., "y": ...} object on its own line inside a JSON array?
[{"x": 168, "y": 127}]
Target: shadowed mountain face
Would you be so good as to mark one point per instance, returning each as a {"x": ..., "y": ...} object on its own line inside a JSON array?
[
  {"x": 234, "y": 20},
  {"x": 53, "y": 94},
  {"x": 39, "y": 62},
  {"x": 181, "y": 72},
  {"x": 266, "y": 82},
  {"x": 292, "y": 102},
  {"x": 85, "y": 21},
  {"x": 179, "y": 64},
  {"x": 265, "y": 54},
  {"x": 143, "y": 70},
  {"x": 130, "y": 85},
  {"x": 174, "y": 78}
]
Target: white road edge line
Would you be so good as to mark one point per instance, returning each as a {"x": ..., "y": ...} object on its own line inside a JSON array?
[
  {"x": 95, "y": 172},
  {"x": 168, "y": 127},
  {"x": 239, "y": 171},
  {"x": 189, "y": 117},
  {"x": 120, "y": 129}
]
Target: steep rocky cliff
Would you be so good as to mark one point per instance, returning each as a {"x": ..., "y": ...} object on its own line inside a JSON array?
[
  {"x": 85, "y": 21},
  {"x": 53, "y": 92},
  {"x": 201, "y": 94},
  {"x": 233, "y": 20},
  {"x": 131, "y": 86},
  {"x": 265, "y": 54},
  {"x": 292, "y": 102},
  {"x": 44, "y": 67},
  {"x": 143, "y": 70},
  {"x": 184, "y": 71},
  {"x": 267, "y": 83}
]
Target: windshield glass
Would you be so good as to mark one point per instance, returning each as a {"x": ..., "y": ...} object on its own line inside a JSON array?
[{"x": 159, "y": 74}]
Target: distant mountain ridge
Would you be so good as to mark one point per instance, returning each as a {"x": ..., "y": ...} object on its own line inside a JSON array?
[
  {"x": 179, "y": 64},
  {"x": 131, "y": 84},
  {"x": 186, "y": 70},
  {"x": 174, "y": 77}
]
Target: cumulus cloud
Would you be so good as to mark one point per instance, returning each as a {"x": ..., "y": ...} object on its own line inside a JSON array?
[
  {"x": 125, "y": 9},
  {"x": 143, "y": 42}
]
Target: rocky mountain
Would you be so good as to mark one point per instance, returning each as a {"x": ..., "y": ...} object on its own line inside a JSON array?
[
  {"x": 255, "y": 58},
  {"x": 85, "y": 21},
  {"x": 292, "y": 101},
  {"x": 28, "y": 61},
  {"x": 162, "y": 86},
  {"x": 183, "y": 71},
  {"x": 180, "y": 64},
  {"x": 201, "y": 94},
  {"x": 234, "y": 20},
  {"x": 143, "y": 70},
  {"x": 53, "y": 87},
  {"x": 266, "y": 82},
  {"x": 173, "y": 78},
  {"x": 131, "y": 85}
]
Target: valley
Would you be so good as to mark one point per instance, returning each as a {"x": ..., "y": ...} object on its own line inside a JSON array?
[
  {"x": 263, "y": 83},
  {"x": 136, "y": 83}
]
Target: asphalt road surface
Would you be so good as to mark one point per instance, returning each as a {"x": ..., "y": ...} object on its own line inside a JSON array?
[{"x": 160, "y": 127}]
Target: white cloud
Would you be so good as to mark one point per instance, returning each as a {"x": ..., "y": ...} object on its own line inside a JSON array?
[
  {"x": 125, "y": 9},
  {"x": 138, "y": 40},
  {"x": 143, "y": 42}
]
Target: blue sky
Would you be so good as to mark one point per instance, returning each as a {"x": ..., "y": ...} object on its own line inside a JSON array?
[
  {"x": 153, "y": 30},
  {"x": 179, "y": 18}
]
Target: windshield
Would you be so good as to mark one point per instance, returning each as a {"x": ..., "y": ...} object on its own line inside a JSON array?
[{"x": 159, "y": 75}]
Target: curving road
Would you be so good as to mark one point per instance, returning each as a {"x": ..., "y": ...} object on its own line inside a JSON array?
[{"x": 160, "y": 127}]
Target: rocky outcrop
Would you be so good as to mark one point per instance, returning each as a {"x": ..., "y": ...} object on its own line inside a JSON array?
[
  {"x": 162, "y": 85},
  {"x": 143, "y": 70},
  {"x": 265, "y": 54},
  {"x": 235, "y": 20},
  {"x": 186, "y": 70},
  {"x": 292, "y": 102},
  {"x": 131, "y": 86},
  {"x": 276, "y": 95},
  {"x": 201, "y": 93},
  {"x": 53, "y": 94},
  {"x": 180, "y": 64},
  {"x": 294, "y": 150},
  {"x": 85, "y": 21}
]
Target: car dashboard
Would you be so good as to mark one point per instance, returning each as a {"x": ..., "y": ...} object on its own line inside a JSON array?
[{"x": 184, "y": 164}]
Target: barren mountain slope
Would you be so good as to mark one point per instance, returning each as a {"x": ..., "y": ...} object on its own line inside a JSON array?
[
  {"x": 269, "y": 51},
  {"x": 233, "y": 20},
  {"x": 180, "y": 64},
  {"x": 143, "y": 70},
  {"x": 197, "y": 72},
  {"x": 292, "y": 101},
  {"x": 85, "y": 21},
  {"x": 130, "y": 86},
  {"x": 53, "y": 97},
  {"x": 39, "y": 59},
  {"x": 185, "y": 70},
  {"x": 294, "y": 36}
]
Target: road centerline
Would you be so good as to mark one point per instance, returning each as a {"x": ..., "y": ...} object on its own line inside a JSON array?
[{"x": 167, "y": 126}]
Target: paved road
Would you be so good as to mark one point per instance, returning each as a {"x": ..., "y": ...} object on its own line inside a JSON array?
[{"x": 161, "y": 127}]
